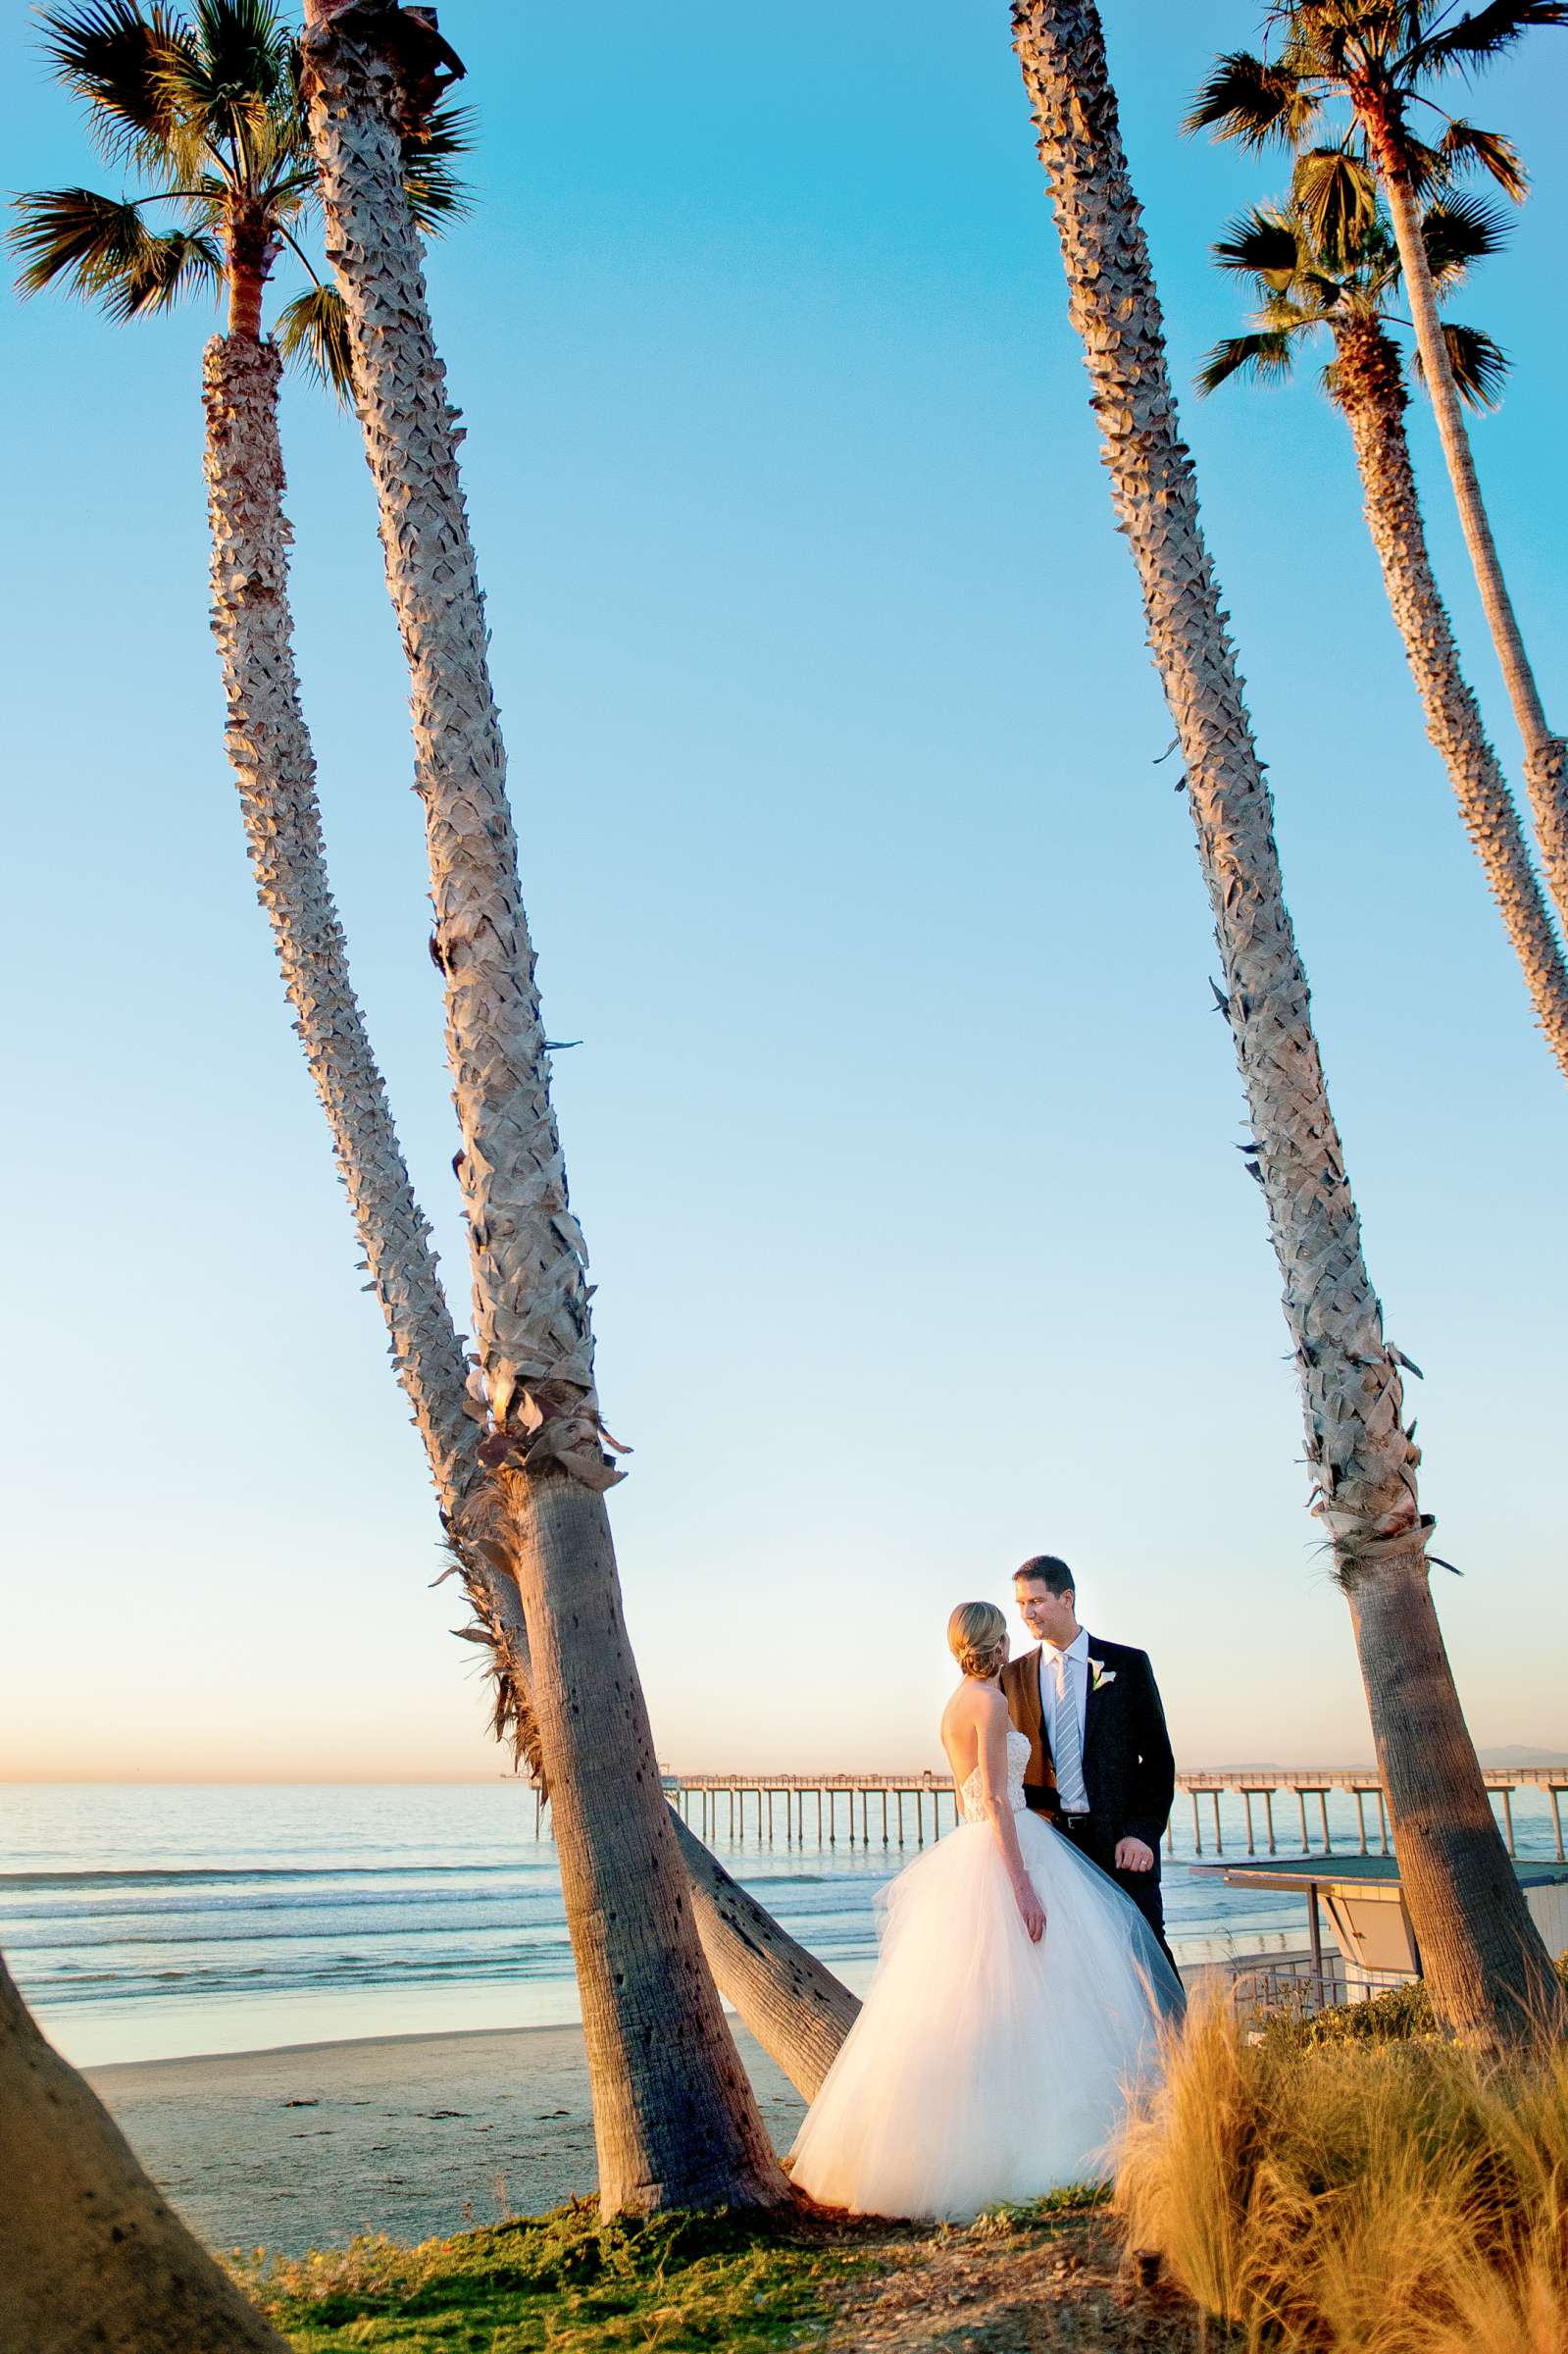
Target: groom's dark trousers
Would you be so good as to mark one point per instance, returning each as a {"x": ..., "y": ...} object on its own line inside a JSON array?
[{"x": 1129, "y": 1768}]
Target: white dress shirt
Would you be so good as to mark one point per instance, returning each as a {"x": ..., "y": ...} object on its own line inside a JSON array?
[{"x": 1074, "y": 1795}]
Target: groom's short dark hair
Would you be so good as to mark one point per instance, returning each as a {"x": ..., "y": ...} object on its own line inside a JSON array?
[{"x": 1047, "y": 1570}]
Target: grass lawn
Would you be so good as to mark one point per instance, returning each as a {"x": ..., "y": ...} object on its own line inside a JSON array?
[{"x": 1048, "y": 2276}]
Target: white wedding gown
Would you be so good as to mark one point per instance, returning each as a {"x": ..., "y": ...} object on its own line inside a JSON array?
[{"x": 985, "y": 2067}]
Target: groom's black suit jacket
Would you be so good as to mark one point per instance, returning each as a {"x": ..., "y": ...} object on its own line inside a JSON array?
[{"x": 1129, "y": 1770}]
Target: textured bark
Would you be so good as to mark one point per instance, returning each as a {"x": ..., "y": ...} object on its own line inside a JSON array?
[
  {"x": 1486, "y": 1963},
  {"x": 251, "y": 246},
  {"x": 658, "y": 2052},
  {"x": 90, "y": 2256},
  {"x": 798, "y": 2009},
  {"x": 1444, "y": 1831},
  {"x": 1370, "y": 389},
  {"x": 275, "y": 768},
  {"x": 676, "y": 2120},
  {"x": 531, "y": 1286},
  {"x": 1545, "y": 753}
]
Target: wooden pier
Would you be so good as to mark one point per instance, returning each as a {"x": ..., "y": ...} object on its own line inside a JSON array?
[
  {"x": 895, "y": 1799},
  {"x": 897, "y": 1809},
  {"x": 1265, "y": 1784}
]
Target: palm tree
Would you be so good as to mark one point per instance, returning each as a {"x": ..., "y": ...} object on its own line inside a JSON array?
[
  {"x": 1485, "y": 1962},
  {"x": 1306, "y": 288},
  {"x": 213, "y": 106},
  {"x": 93, "y": 2255},
  {"x": 676, "y": 2121},
  {"x": 1368, "y": 65},
  {"x": 206, "y": 108}
]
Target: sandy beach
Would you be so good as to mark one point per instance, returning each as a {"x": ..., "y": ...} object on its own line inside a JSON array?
[{"x": 413, "y": 2135}]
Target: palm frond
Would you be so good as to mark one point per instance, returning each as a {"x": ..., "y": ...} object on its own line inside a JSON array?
[
  {"x": 1480, "y": 366},
  {"x": 100, "y": 247},
  {"x": 165, "y": 270},
  {"x": 1282, "y": 314},
  {"x": 1430, "y": 169},
  {"x": 436, "y": 194},
  {"x": 1250, "y": 101},
  {"x": 118, "y": 58},
  {"x": 1457, "y": 232},
  {"x": 1483, "y": 35},
  {"x": 1467, "y": 143},
  {"x": 1318, "y": 295},
  {"x": 1264, "y": 357},
  {"x": 244, "y": 47},
  {"x": 312, "y": 332},
  {"x": 76, "y": 236},
  {"x": 231, "y": 93},
  {"x": 1261, "y": 244},
  {"x": 1336, "y": 196}
]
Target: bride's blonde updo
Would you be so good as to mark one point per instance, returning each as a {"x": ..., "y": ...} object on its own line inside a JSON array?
[{"x": 977, "y": 1637}]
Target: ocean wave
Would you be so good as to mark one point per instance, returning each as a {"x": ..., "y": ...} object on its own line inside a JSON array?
[{"x": 191, "y": 1875}]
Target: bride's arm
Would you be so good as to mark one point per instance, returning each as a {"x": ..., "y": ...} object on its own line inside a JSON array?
[{"x": 1003, "y": 1821}]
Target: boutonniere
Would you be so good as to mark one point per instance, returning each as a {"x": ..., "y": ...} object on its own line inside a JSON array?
[{"x": 1102, "y": 1674}]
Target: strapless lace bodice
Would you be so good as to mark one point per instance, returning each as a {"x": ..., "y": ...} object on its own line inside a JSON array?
[{"x": 970, "y": 1797}]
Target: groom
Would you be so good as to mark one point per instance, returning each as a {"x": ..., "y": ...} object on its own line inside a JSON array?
[{"x": 1099, "y": 1756}]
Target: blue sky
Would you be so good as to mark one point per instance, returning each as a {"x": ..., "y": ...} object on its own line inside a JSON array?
[{"x": 902, "y": 1132}]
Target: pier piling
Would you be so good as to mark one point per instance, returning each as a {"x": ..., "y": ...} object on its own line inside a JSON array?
[{"x": 696, "y": 1798}]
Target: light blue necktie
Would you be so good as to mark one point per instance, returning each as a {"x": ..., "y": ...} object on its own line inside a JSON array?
[{"x": 1068, "y": 1742}]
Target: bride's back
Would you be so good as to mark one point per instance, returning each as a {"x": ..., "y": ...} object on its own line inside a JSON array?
[{"x": 966, "y": 1720}]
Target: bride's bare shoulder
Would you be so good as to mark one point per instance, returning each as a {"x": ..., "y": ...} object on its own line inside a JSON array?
[{"x": 974, "y": 1702}]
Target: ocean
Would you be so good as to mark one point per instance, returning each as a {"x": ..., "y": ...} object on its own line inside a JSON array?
[{"x": 151, "y": 1920}]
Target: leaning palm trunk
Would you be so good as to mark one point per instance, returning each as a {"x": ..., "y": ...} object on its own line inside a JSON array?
[
  {"x": 1545, "y": 753},
  {"x": 796, "y": 2008},
  {"x": 1369, "y": 387},
  {"x": 274, "y": 767},
  {"x": 1485, "y": 1963},
  {"x": 90, "y": 2255},
  {"x": 675, "y": 2117}
]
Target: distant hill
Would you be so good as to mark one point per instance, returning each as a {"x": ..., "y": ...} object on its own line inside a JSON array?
[{"x": 1524, "y": 1752}]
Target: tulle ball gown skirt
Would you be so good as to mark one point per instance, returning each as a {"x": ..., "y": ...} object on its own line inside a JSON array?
[{"x": 982, "y": 2067}]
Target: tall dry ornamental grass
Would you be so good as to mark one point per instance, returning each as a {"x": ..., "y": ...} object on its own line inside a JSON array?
[{"x": 1357, "y": 2196}]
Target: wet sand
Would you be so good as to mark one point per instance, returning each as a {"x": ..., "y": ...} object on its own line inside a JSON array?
[{"x": 414, "y": 2136}]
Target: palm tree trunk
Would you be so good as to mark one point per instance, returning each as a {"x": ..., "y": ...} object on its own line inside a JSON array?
[
  {"x": 275, "y": 768},
  {"x": 1370, "y": 389},
  {"x": 92, "y": 2256},
  {"x": 1487, "y": 1966},
  {"x": 1545, "y": 753},
  {"x": 675, "y": 2117},
  {"x": 251, "y": 249},
  {"x": 798, "y": 2009}
]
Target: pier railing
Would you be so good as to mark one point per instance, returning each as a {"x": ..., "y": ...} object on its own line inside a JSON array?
[
  {"x": 903, "y": 1809},
  {"x": 1266, "y": 1783}
]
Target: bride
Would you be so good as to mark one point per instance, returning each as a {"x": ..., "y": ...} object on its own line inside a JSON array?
[{"x": 1017, "y": 2000}]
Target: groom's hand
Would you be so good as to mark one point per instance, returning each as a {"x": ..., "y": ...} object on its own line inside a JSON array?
[{"x": 1134, "y": 1855}]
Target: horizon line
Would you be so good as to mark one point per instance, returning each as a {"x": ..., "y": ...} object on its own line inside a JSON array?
[{"x": 742, "y": 1776}]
